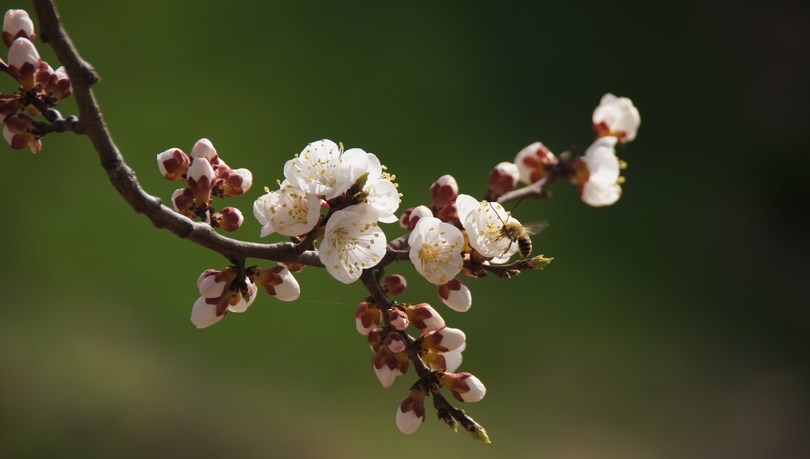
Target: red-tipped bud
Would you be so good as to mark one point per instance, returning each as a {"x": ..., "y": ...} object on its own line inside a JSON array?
[
  {"x": 229, "y": 219},
  {"x": 58, "y": 84},
  {"x": 449, "y": 214},
  {"x": 394, "y": 285},
  {"x": 502, "y": 179},
  {"x": 385, "y": 366},
  {"x": 367, "y": 317},
  {"x": 17, "y": 24},
  {"x": 294, "y": 267},
  {"x": 412, "y": 216},
  {"x": 464, "y": 386},
  {"x": 173, "y": 164},
  {"x": 375, "y": 338},
  {"x": 200, "y": 178},
  {"x": 183, "y": 200},
  {"x": 395, "y": 342},
  {"x": 279, "y": 282},
  {"x": 456, "y": 295},
  {"x": 23, "y": 61},
  {"x": 205, "y": 149},
  {"x": 424, "y": 317},
  {"x": 411, "y": 412},
  {"x": 533, "y": 162},
  {"x": 17, "y": 133},
  {"x": 212, "y": 282},
  {"x": 398, "y": 319},
  {"x": 236, "y": 182},
  {"x": 444, "y": 340},
  {"x": 443, "y": 191},
  {"x": 9, "y": 105}
]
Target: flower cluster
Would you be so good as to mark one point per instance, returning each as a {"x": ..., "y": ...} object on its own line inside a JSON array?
[
  {"x": 206, "y": 175},
  {"x": 597, "y": 173},
  {"x": 353, "y": 190},
  {"x": 41, "y": 87}
]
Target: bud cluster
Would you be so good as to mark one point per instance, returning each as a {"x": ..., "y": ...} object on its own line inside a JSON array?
[
  {"x": 229, "y": 290},
  {"x": 206, "y": 175},
  {"x": 438, "y": 349},
  {"x": 40, "y": 86}
]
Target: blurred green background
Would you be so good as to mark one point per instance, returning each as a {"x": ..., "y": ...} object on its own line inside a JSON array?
[{"x": 671, "y": 325}]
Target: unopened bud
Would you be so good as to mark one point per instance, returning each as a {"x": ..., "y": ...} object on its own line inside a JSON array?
[
  {"x": 17, "y": 24},
  {"x": 443, "y": 191},
  {"x": 200, "y": 178},
  {"x": 385, "y": 366},
  {"x": 502, "y": 179},
  {"x": 449, "y": 214},
  {"x": 456, "y": 295},
  {"x": 398, "y": 319},
  {"x": 394, "y": 285},
  {"x": 279, "y": 282},
  {"x": 367, "y": 317},
  {"x": 464, "y": 386},
  {"x": 533, "y": 162},
  {"x": 229, "y": 219},
  {"x": 241, "y": 299},
  {"x": 205, "y": 149},
  {"x": 412, "y": 216},
  {"x": 212, "y": 282},
  {"x": 58, "y": 84},
  {"x": 411, "y": 412},
  {"x": 173, "y": 163},
  {"x": 236, "y": 182},
  {"x": 424, "y": 317},
  {"x": 23, "y": 61},
  {"x": 204, "y": 312},
  {"x": 375, "y": 338},
  {"x": 444, "y": 340},
  {"x": 183, "y": 200},
  {"x": 395, "y": 342},
  {"x": 16, "y": 131}
]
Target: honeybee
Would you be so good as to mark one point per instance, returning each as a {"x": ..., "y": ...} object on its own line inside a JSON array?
[{"x": 517, "y": 233}]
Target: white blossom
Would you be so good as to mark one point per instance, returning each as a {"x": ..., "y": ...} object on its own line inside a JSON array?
[
  {"x": 288, "y": 211},
  {"x": 322, "y": 169},
  {"x": 618, "y": 117},
  {"x": 382, "y": 193},
  {"x": 456, "y": 295},
  {"x": 436, "y": 250},
  {"x": 533, "y": 161},
  {"x": 602, "y": 185},
  {"x": 484, "y": 222},
  {"x": 352, "y": 242},
  {"x": 408, "y": 422}
]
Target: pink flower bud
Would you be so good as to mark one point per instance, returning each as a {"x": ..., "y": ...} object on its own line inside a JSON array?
[
  {"x": 424, "y": 317},
  {"x": 394, "y": 285},
  {"x": 395, "y": 342},
  {"x": 367, "y": 317},
  {"x": 279, "y": 282},
  {"x": 17, "y": 24},
  {"x": 411, "y": 412},
  {"x": 23, "y": 61},
  {"x": 229, "y": 219},
  {"x": 241, "y": 299},
  {"x": 456, "y": 295},
  {"x": 17, "y": 133},
  {"x": 533, "y": 162},
  {"x": 375, "y": 338},
  {"x": 183, "y": 200},
  {"x": 449, "y": 214},
  {"x": 464, "y": 386},
  {"x": 444, "y": 340},
  {"x": 58, "y": 84},
  {"x": 205, "y": 149},
  {"x": 200, "y": 178},
  {"x": 398, "y": 319},
  {"x": 502, "y": 179},
  {"x": 412, "y": 216},
  {"x": 385, "y": 366},
  {"x": 204, "y": 312},
  {"x": 443, "y": 191},
  {"x": 237, "y": 182},
  {"x": 212, "y": 282},
  {"x": 173, "y": 163}
]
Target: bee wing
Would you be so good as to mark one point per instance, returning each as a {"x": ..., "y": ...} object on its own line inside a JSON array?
[{"x": 536, "y": 227}]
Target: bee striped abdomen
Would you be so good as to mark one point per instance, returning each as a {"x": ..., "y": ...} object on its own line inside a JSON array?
[{"x": 524, "y": 246}]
